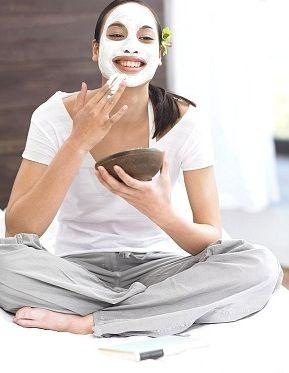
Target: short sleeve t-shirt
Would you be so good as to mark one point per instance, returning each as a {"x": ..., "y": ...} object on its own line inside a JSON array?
[{"x": 93, "y": 219}]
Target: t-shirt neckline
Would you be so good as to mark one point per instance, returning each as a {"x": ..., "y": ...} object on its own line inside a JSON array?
[{"x": 152, "y": 141}]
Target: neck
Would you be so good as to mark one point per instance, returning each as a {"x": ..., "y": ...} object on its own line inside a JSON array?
[{"x": 136, "y": 98}]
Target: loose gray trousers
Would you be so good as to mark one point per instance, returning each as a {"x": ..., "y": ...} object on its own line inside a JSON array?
[{"x": 130, "y": 293}]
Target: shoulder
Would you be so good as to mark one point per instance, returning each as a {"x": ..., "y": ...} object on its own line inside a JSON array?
[
  {"x": 186, "y": 112},
  {"x": 51, "y": 113},
  {"x": 48, "y": 108},
  {"x": 195, "y": 121},
  {"x": 187, "y": 109}
]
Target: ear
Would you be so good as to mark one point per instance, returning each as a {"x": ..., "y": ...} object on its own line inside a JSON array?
[{"x": 95, "y": 47}]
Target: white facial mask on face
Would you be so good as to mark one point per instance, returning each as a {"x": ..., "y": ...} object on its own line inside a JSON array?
[{"x": 133, "y": 16}]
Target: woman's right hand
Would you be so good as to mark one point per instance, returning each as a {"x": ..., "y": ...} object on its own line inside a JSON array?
[{"x": 91, "y": 119}]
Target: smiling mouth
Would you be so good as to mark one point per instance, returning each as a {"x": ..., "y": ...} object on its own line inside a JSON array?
[{"x": 129, "y": 66}]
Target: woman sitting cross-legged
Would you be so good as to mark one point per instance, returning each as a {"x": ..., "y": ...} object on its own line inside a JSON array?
[{"x": 113, "y": 271}]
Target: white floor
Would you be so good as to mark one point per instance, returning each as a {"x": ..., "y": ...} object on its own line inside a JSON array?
[{"x": 253, "y": 345}]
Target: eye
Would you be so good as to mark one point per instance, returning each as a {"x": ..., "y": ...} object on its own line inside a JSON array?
[
  {"x": 146, "y": 38},
  {"x": 116, "y": 35}
]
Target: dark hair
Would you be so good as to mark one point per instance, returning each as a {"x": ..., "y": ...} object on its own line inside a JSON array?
[{"x": 166, "y": 109}]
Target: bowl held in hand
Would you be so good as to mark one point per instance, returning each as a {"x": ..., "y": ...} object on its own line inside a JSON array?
[{"x": 140, "y": 163}]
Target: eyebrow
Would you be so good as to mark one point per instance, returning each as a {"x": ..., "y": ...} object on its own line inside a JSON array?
[
  {"x": 116, "y": 24},
  {"x": 146, "y": 26},
  {"x": 120, "y": 24}
]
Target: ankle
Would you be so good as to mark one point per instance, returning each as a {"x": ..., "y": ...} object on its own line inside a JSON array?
[
  {"x": 81, "y": 324},
  {"x": 88, "y": 324}
]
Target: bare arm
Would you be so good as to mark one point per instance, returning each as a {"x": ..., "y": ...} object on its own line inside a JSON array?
[
  {"x": 194, "y": 236},
  {"x": 154, "y": 201},
  {"x": 39, "y": 190},
  {"x": 42, "y": 190}
]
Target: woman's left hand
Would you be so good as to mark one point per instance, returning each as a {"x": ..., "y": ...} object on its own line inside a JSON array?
[{"x": 151, "y": 198}]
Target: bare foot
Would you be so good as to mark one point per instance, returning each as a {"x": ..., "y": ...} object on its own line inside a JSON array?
[{"x": 42, "y": 318}]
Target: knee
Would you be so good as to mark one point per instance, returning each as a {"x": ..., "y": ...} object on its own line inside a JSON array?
[
  {"x": 7, "y": 284},
  {"x": 12, "y": 281},
  {"x": 8, "y": 272},
  {"x": 13, "y": 261},
  {"x": 263, "y": 265},
  {"x": 252, "y": 263}
]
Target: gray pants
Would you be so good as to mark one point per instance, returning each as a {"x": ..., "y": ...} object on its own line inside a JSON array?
[{"x": 150, "y": 293}]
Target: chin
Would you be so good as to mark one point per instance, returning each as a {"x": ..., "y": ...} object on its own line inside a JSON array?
[{"x": 142, "y": 85}]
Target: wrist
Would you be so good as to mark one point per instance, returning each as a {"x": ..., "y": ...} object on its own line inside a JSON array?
[
  {"x": 165, "y": 217},
  {"x": 76, "y": 146}
]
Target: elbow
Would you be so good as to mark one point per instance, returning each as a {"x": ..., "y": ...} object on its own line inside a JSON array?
[
  {"x": 9, "y": 231},
  {"x": 12, "y": 232},
  {"x": 211, "y": 235},
  {"x": 216, "y": 234},
  {"x": 13, "y": 227}
]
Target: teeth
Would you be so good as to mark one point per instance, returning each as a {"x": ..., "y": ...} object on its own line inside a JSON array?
[{"x": 129, "y": 63}]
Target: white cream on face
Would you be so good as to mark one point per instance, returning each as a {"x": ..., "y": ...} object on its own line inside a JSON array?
[
  {"x": 114, "y": 82},
  {"x": 133, "y": 16}
]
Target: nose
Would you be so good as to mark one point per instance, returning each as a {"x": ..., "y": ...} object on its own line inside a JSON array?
[{"x": 127, "y": 51}]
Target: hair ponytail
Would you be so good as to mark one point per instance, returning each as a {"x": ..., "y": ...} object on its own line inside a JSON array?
[{"x": 166, "y": 109}]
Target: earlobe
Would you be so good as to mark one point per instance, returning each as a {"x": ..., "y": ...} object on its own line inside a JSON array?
[
  {"x": 94, "y": 57},
  {"x": 94, "y": 51}
]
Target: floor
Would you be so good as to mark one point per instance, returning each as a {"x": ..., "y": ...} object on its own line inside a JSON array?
[{"x": 269, "y": 227}]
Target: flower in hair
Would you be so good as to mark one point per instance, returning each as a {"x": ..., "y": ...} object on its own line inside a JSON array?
[{"x": 166, "y": 39}]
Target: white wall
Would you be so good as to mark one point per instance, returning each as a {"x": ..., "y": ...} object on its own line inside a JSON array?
[{"x": 221, "y": 60}]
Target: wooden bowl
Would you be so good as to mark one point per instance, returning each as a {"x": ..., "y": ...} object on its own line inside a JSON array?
[{"x": 140, "y": 163}]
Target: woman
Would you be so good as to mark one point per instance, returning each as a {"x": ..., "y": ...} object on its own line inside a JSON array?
[{"x": 113, "y": 272}]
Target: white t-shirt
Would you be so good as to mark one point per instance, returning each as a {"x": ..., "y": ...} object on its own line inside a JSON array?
[{"x": 91, "y": 218}]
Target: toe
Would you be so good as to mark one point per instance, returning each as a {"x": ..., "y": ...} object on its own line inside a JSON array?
[
  {"x": 27, "y": 323},
  {"x": 24, "y": 312}
]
